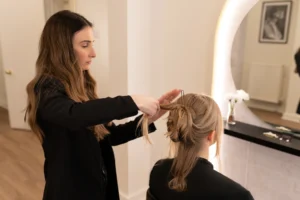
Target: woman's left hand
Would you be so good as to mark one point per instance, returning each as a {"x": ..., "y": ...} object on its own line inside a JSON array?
[{"x": 164, "y": 99}]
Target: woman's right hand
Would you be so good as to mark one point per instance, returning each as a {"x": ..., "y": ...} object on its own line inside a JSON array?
[{"x": 147, "y": 105}]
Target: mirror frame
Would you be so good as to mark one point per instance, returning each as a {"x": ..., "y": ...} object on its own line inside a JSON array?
[{"x": 230, "y": 19}]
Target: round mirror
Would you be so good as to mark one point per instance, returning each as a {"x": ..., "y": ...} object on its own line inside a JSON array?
[{"x": 263, "y": 64}]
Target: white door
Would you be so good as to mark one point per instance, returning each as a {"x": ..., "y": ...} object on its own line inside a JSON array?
[{"x": 21, "y": 25}]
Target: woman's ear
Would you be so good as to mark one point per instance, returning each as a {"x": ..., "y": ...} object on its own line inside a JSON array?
[{"x": 211, "y": 137}]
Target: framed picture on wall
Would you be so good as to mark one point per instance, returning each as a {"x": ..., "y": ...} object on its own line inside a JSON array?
[{"x": 275, "y": 21}]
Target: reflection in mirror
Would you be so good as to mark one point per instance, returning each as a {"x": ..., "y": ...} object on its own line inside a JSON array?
[
  {"x": 53, "y": 6},
  {"x": 262, "y": 63}
]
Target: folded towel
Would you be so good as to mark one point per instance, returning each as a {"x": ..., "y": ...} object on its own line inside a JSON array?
[{"x": 270, "y": 134}]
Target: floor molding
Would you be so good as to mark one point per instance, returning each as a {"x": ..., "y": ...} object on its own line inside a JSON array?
[{"x": 291, "y": 117}]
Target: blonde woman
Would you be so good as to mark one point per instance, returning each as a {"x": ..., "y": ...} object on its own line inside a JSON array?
[{"x": 194, "y": 124}]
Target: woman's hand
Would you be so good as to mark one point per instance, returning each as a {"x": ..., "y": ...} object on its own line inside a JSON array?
[
  {"x": 164, "y": 99},
  {"x": 147, "y": 105}
]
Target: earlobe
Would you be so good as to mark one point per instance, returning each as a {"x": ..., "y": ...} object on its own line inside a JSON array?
[{"x": 211, "y": 137}]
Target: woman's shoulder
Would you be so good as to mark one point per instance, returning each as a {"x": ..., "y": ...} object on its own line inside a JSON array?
[
  {"x": 231, "y": 188},
  {"x": 163, "y": 163},
  {"x": 49, "y": 84},
  {"x": 161, "y": 168}
]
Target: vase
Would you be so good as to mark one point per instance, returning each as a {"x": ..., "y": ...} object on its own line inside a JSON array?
[{"x": 231, "y": 112}]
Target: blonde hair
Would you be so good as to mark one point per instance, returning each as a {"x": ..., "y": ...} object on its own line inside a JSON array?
[{"x": 192, "y": 117}]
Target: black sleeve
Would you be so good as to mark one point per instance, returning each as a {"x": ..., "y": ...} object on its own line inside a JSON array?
[
  {"x": 247, "y": 196},
  {"x": 123, "y": 133},
  {"x": 240, "y": 195},
  {"x": 56, "y": 107}
]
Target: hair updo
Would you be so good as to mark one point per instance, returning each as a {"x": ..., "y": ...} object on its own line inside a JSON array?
[{"x": 192, "y": 118}]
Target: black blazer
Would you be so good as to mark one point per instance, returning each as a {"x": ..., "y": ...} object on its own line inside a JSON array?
[
  {"x": 77, "y": 166},
  {"x": 203, "y": 183}
]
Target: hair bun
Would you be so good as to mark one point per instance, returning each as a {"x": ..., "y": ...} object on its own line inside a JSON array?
[{"x": 180, "y": 124}]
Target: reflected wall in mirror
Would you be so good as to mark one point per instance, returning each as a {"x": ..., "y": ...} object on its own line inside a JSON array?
[
  {"x": 263, "y": 65},
  {"x": 53, "y": 6}
]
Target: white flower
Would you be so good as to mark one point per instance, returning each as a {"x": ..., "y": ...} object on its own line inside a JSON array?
[
  {"x": 243, "y": 95},
  {"x": 232, "y": 96},
  {"x": 239, "y": 95}
]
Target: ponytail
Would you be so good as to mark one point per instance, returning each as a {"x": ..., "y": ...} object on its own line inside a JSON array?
[{"x": 192, "y": 117}]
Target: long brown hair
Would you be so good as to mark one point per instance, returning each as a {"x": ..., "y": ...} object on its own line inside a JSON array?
[
  {"x": 192, "y": 117},
  {"x": 57, "y": 60}
]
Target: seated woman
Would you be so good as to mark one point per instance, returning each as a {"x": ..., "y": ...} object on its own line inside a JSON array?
[{"x": 194, "y": 124}]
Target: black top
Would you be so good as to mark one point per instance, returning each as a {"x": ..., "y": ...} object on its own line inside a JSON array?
[
  {"x": 203, "y": 183},
  {"x": 297, "y": 60},
  {"x": 255, "y": 134},
  {"x": 77, "y": 166}
]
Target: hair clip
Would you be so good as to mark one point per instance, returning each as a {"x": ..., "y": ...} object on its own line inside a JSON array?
[{"x": 182, "y": 94}]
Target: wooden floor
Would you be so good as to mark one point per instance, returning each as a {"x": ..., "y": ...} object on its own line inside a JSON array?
[
  {"x": 275, "y": 118},
  {"x": 21, "y": 163}
]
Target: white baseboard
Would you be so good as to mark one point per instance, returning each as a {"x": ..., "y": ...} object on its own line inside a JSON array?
[
  {"x": 291, "y": 117},
  {"x": 266, "y": 107},
  {"x": 139, "y": 195}
]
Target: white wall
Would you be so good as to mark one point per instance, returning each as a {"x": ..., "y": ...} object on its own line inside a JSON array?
[{"x": 3, "y": 99}]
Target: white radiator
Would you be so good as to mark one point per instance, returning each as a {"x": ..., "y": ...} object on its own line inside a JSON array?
[{"x": 265, "y": 82}]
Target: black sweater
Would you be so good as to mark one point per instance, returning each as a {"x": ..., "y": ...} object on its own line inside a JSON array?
[{"x": 203, "y": 183}]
